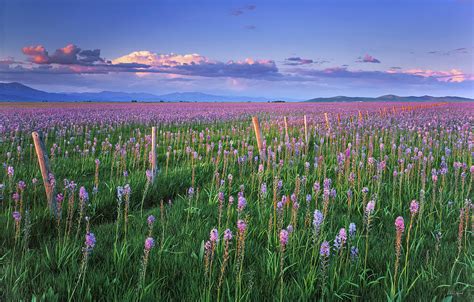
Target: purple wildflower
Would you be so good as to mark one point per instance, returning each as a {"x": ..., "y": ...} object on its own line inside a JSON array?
[
  {"x": 149, "y": 243},
  {"x": 352, "y": 230},
  {"x": 241, "y": 203},
  {"x": 228, "y": 235},
  {"x": 90, "y": 241},
  {"x": 414, "y": 207},
  {"x": 214, "y": 235},
  {"x": 241, "y": 225},
  {"x": 283, "y": 238},
  {"x": 17, "y": 216},
  {"x": 324, "y": 251},
  {"x": 150, "y": 220}
]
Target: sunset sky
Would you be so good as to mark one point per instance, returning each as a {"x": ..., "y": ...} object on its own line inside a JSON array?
[{"x": 290, "y": 49}]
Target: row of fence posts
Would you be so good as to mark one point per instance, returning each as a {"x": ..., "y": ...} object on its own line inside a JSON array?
[{"x": 48, "y": 176}]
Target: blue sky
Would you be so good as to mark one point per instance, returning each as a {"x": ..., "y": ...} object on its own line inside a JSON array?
[{"x": 293, "y": 49}]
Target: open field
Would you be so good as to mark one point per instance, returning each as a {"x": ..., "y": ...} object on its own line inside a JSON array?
[{"x": 369, "y": 202}]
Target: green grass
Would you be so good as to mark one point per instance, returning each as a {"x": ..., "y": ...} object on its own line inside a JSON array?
[{"x": 45, "y": 265}]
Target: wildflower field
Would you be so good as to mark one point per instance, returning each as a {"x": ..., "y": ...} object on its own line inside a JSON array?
[{"x": 364, "y": 201}]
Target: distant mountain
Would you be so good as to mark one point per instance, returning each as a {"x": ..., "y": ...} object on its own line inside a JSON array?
[
  {"x": 17, "y": 92},
  {"x": 393, "y": 98},
  {"x": 203, "y": 97}
]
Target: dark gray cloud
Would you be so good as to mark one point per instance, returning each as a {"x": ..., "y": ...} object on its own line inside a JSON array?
[
  {"x": 295, "y": 61},
  {"x": 367, "y": 59},
  {"x": 298, "y": 61}
]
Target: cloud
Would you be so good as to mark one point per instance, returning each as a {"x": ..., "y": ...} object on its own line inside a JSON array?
[
  {"x": 37, "y": 54},
  {"x": 367, "y": 59},
  {"x": 250, "y": 27},
  {"x": 453, "y": 75},
  {"x": 461, "y": 50},
  {"x": 295, "y": 61},
  {"x": 236, "y": 12},
  {"x": 409, "y": 76},
  {"x": 197, "y": 65},
  {"x": 74, "y": 65},
  {"x": 72, "y": 60},
  {"x": 240, "y": 11},
  {"x": 298, "y": 61},
  {"x": 70, "y": 54}
]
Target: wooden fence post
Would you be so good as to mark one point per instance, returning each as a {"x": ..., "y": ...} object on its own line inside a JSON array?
[
  {"x": 287, "y": 138},
  {"x": 258, "y": 134},
  {"x": 305, "y": 129},
  {"x": 327, "y": 120},
  {"x": 45, "y": 170},
  {"x": 153, "y": 152}
]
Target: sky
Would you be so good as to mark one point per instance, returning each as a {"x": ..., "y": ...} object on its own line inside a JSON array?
[{"x": 275, "y": 49}]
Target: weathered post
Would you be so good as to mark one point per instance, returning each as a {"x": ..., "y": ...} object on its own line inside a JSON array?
[
  {"x": 305, "y": 129},
  {"x": 153, "y": 152},
  {"x": 45, "y": 170},
  {"x": 286, "y": 129},
  {"x": 258, "y": 134},
  {"x": 327, "y": 120}
]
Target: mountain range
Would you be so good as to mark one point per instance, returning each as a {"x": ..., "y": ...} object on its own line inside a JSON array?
[
  {"x": 393, "y": 98},
  {"x": 17, "y": 92}
]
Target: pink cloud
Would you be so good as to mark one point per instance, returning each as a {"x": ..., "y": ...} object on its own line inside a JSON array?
[
  {"x": 69, "y": 54},
  {"x": 37, "y": 54},
  {"x": 154, "y": 59},
  {"x": 453, "y": 75}
]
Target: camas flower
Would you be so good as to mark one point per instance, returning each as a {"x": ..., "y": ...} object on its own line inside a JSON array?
[
  {"x": 325, "y": 249},
  {"x": 83, "y": 195},
  {"x": 241, "y": 203},
  {"x": 10, "y": 171},
  {"x": 414, "y": 207},
  {"x": 369, "y": 209},
  {"x": 90, "y": 241},
  {"x": 354, "y": 253},
  {"x": 16, "y": 196},
  {"x": 399, "y": 224},
  {"x": 17, "y": 216},
  {"x": 228, "y": 235},
  {"x": 241, "y": 225},
  {"x": 150, "y": 220},
  {"x": 149, "y": 243},
  {"x": 214, "y": 235},
  {"x": 352, "y": 230},
  {"x": 283, "y": 237},
  {"x": 21, "y": 185},
  {"x": 318, "y": 218},
  {"x": 149, "y": 175}
]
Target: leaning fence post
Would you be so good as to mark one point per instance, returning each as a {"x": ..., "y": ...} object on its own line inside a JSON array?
[
  {"x": 258, "y": 134},
  {"x": 153, "y": 152},
  {"x": 45, "y": 170}
]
